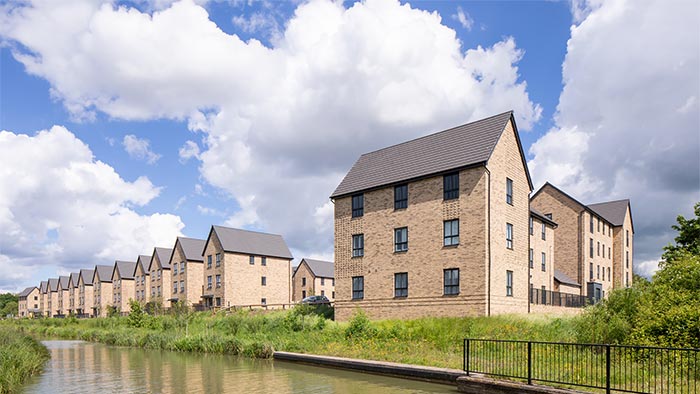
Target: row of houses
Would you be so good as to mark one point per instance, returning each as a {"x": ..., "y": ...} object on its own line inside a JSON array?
[{"x": 442, "y": 225}]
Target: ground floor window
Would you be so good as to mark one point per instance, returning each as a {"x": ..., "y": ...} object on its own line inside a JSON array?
[
  {"x": 358, "y": 287},
  {"x": 509, "y": 283},
  {"x": 401, "y": 284},
  {"x": 451, "y": 281}
]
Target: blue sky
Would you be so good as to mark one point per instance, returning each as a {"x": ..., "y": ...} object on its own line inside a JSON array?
[{"x": 280, "y": 90}]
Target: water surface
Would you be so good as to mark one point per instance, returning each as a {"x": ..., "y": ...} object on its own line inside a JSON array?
[{"x": 85, "y": 367}]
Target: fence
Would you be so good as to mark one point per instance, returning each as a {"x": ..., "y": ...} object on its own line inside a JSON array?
[
  {"x": 613, "y": 368},
  {"x": 555, "y": 298}
]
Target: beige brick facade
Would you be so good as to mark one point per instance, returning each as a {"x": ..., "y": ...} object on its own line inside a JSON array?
[
  {"x": 542, "y": 274},
  {"x": 305, "y": 283},
  {"x": 160, "y": 278},
  {"x": 85, "y": 297},
  {"x": 28, "y": 304},
  {"x": 623, "y": 252},
  {"x": 142, "y": 281},
  {"x": 189, "y": 276},
  {"x": 123, "y": 290},
  {"x": 102, "y": 295}
]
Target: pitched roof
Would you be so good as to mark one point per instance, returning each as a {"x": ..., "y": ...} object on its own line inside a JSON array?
[
  {"x": 563, "y": 278},
  {"x": 459, "y": 147},
  {"x": 64, "y": 282},
  {"x": 87, "y": 274},
  {"x": 613, "y": 211},
  {"x": 53, "y": 284},
  {"x": 143, "y": 261},
  {"x": 163, "y": 255},
  {"x": 125, "y": 269},
  {"x": 44, "y": 286},
  {"x": 74, "y": 276},
  {"x": 26, "y": 291},
  {"x": 192, "y": 248},
  {"x": 320, "y": 268},
  {"x": 104, "y": 272},
  {"x": 542, "y": 217},
  {"x": 251, "y": 242}
]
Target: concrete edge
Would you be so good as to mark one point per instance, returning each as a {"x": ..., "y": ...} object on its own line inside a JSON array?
[
  {"x": 415, "y": 372},
  {"x": 482, "y": 385}
]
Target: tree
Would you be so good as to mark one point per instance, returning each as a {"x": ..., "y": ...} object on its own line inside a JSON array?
[
  {"x": 688, "y": 239},
  {"x": 10, "y": 308},
  {"x": 136, "y": 315},
  {"x": 7, "y": 297}
]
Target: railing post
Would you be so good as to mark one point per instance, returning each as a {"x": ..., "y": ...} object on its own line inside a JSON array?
[
  {"x": 607, "y": 369},
  {"x": 466, "y": 356},
  {"x": 529, "y": 362}
]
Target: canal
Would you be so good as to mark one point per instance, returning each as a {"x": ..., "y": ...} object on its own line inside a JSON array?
[{"x": 85, "y": 367}]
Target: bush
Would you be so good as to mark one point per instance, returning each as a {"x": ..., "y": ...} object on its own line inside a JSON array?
[{"x": 360, "y": 327}]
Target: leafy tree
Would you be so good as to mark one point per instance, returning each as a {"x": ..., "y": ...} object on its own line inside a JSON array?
[
  {"x": 10, "y": 308},
  {"x": 688, "y": 239},
  {"x": 5, "y": 298},
  {"x": 136, "y": 315},
  {"x": 112, "y": 311}
]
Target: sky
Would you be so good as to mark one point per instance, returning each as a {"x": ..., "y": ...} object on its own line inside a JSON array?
[{"x": 127, "y": 123}]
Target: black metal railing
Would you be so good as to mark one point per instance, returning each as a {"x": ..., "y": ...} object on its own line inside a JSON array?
[
  {"x": 613, "y": 368},
  {"x": 555, "y": 298}
]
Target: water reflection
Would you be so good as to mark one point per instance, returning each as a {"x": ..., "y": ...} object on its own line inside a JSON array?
[{"x": 83, "y": 367}]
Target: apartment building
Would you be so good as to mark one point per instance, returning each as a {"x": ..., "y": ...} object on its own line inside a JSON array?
[
  {"x": 28, "y": 303},
  {"x": 102, "y": 289},
  {"x": 43, "y": 298},
  {"x": 436, "y": 226},
  {"x": 594, "y": 242},
  {"x": 313, "y": 277},
  {"x": 73, "y": 293},
  {"x": 52, "y": 297},
  {"x": 63, "y": 295},
  {"x": 541, "y": 256},
  {"x": 159, "y": 274},
  {"x": 86, "y": 296},
  {"x": 123, "y": 286},
  {"x": 245, "y": 268},
  {"x": 187, "y": 269},
  {"x": 142, "y": 282}
]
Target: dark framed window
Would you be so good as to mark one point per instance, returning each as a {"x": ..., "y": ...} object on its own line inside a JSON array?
[
  {"x": 451, "y": 281},
  {"x": 263, "y": 281},
  {"x": 401, "y": 284},
  {"x": 358, "y": 245},
  {"x": 218, "y": 259},
  {"x": 532, "y": 226},
  {"x": 263, "y": 261},
  {"x": 401, "y": 239},
  {"x": 218, "y": 280},
  {"x": 609, "y": 254},
  {"x": 598, "y": 248},
  {"x": 323, "y": 281},
  {"x": 401, "y": 197},
  {"x": 532, "y": 258},
  {"x": 627, "y": 279},
  {"x": 208, "y": 284},
  {"x": 450, "y": 186},
  {"x": 544, "y": 231},
  {"x": 591, "y": 271},
  {"x": 509, "y": 191},
  {"x": 209, "y": 261},
  {"x": 218, "y": 301},
  {"x": 609, "y": 277},
  {"x": 509, "y": 236},
  {"x": 358, "y": 287},
  {"x": 603, "y": 250},
  {"x": 509, "y": 283},
  {"x": 627, "y": 237},
  {"x": 263, "y": 301},
  {"x": 598, "y": 225},
  {"x": 590, "y": 251},
  {"x": 544, "y": 261},
  {"x": 303, "y": 281},
  {"x": 358, "y": 205},
  {"x": 451, "y": 232},
  {"x": 251, "y": 259},
  {"x": 591, "y": 223},
  {"x": 627, "y": 259},
  {"x": 598, "y": 268}
]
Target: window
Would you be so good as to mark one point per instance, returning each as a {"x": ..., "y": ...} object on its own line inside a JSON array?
[
  {"x": 143, "y": 280},
  {"x": 603, "y": 273},
  {"x": 609, "y": 231},
  {"x": 323, "y": 292},
  {"x": 153, "y": 291},
  {"x": 401, "y": 284},
  {"x": 450, "y": 186},
  {"x": 627, "y": 259},
  {"x": 591, "y": 223},
  {"x": 218, "y": 301},
  {"x": 532, "y": 226},
  {"x": 451, "y": 281},
  {"x": 182, "y": 267},
  {"x": 218, "y": 281},
  {"x": 544, "y": 261},
  {"x": 158, "y": 290},
  {"x": 591, "y": 271},
  {"x": 358, "y": 205},
  {"x": 598, "y": 276},
  {"x": 451, "y": 232},
  {"x": 599, "y": 225},
  {"x": 263, "y": 261},
  {"x": 323, "y": 282},
  {"x": 544, "y": 231},
  {"x": 303, "y": 281},
  {"x": 609, "y": 277},
  {"x": 251, "y": 259},
  {"x": 263, "y": 301},
  {"x": 627, "y": 238},
  {"x": 609, "y": 254},
  {"x": 591, "y": 248},
  {"x": 509, "y": 283},
  {"x": 158, "y": 274},
  {"x": 175, "y": 287},
  {"x": 509, "y": 236},
  {"x": 509, "y": 191},
  {"x": 333, "y": 294},
  {"x": 209, "y": 261},
  {"x": 174, "y": 269},
  {"x": 627, "y": 279},
  {"x": 532, "y": 257},
  {"x": 358, "y": 287},
  {"x": 401, "y": 239},
  {"x": 263, "y": 281},
  {"x": 218, "y": 259},
  {"x": 401, "y": 197},
  {"x": 303, "y": 294},
  {"x": 209, "y": 282},
  {"x": 358, "y": 245},
  {"x": 332, "y": 281},
  {"x": 598, "y": 248}
]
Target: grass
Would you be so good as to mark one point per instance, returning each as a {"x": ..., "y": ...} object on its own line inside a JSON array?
[{"x": 21, "y": 356}]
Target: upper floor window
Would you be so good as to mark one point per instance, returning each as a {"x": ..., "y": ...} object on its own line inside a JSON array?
[
  {"x": 182, "y": 267},
  {"x": 627, "y": 237},
  {"x": 590, "y": 271},
  {"x": 509, "y": 283},
  {"x": 208, "y": 282},
  {"x": 532, "y": 226},
  {"x": 175, "y": 287},
  {"x": 509, "y": 236},
  {"x": 509, "y": 191},
  {"x": 358, "y": 287},
  {"x": 450, "y": 186},
  {"x": 303, "y": 281},
  {"x": 251, "y": 259},
  {"x": 182, "y": 286},
  {"x": 603, "y": 250},
  {"x": 598, "y": 225},
  {"x": 544, "y": 231},
  {"x": 609, "y": 277},
  {"x": 209, "y": 261},
  {"x": 401, "y": 239},
  {"x": 544, "y": 261},
  {"x": 263, "y": 261},
  {"x": 401, "y": 284},
  {"x": 358, "y": 245},
  {"x": 358, "y": 205},
  {"x": 175, "y": 269},
  {"x": 218, "y": 259},
  {"x": 451, "y": 232},
  {"x": 598, "y": 268},
  {"x": 590, "y": 251},
  {"x": 263, "y": 281},
  {"x": 401, "y": 197},
  {"x": 323, "y": 281},
  {"x": 591, "y": 223},
  {"x": 598, "y": 248},
  {"x": 532, "y": 258},
  {"x": 218, "y": 280},
  {"x": 451, "y": 281},
  {"x": 627, "y": 259},
  {"x": 609, "y": 254}
]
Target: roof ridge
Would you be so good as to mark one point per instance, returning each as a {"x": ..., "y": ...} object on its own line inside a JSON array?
[
  {"x": 241, "y": 229},
  {"x": 611, "y": 201}
]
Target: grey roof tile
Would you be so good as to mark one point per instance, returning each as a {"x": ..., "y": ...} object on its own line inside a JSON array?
[
  {"x": 458, "y": 147},
  {"x": 53, "y": 284},
  {"x": 163, "y": 256},
  {"x": 252, "y": 242},
  {"x": 125, "y": 269},
  {"x": 64, "y": 282},
  {"x": 542, "y": 217},
  {"x": 612, "y": 211},
  {"x": 320, "y": 268},
  {"x": 143, "y": 261},
  {"x": 74, "y": 279},
  {"x": 26, "y": 291},
  {"x": 87, "y": 274},
  {"x": 563, "y": 278},
  {"x": 104, "y": 272},
  {"x": 192, "y": 247},
  {"x": 44, "y": 286}
]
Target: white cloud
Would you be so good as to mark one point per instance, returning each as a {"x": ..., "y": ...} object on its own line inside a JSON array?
[
  {"x": 282, "y": 124},
  {"x": 463, "y": 18},
  {"x": 627, "y": 123},
  {"x": 188, "y": 151},
  {"x": 62, "y": 209},
  {"x": 209, "y": 211},
  {"x": 139, "y": 148}
]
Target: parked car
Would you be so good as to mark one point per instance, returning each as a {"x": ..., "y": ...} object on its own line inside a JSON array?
[{"x": 316, "y": 300}]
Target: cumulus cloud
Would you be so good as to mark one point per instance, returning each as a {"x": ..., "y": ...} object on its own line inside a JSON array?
[
  {"x": 60, "y": 209},
  {"x": 281, "y": 124},
  {"x": 188, "y": 151},
  {"x": 139, "y": 148},
  {"x": 628, "y": 120}
]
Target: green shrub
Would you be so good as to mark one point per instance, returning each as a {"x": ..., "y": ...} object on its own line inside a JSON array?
[{"x": 359, "y": 326}]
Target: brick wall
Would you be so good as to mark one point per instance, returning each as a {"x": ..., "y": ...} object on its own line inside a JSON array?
[{"x": 538, "y": 277}]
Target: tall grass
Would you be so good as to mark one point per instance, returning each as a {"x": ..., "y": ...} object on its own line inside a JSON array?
[{"x": 21, "y": 356}]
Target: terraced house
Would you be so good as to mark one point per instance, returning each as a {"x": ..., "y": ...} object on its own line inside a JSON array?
[
  {"x": 142, "y": 282},
  {"x": 159, "y": 274},
  {"x": 313, "y": 277},
  {"x": 28, "y": 303},
  {"x": 85, "y": 293},
  {"x": 44, "y": 298},
  {"x": 102, "y": 289},
  {"x": 436, "y": 226},
  {"x": 245, "y": 268},
  {"x": 63, "y": 295},
  {"x": 123, "y": 288},
  {"x": 73, "y": 285},
  {"x": 186, "y": 267},
  {"x": 594, "y": 242},
  {"x": 52, "y": 297}
]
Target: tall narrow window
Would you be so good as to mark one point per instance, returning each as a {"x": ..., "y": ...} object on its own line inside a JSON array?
[
  {"x": 627, "y": 279},
  {"x": 358, "y": 245},
  {"x": 401, "y": 239},
  {"x": 358, "y": 287},
  {"x": 627, "y": 259},
  {"x": 598, "y": 248},
  {"x": 509, "y": 283},
  {"x": 591, "y": 248},
  {"x": 509, "y": 236},
  {"x": 603, "y": 250},
  {"x": 208, "y": 282},
  {"x": 544, "y": 231},
  {"x": 209, "y": 261},
  {"x": 627, "y": 237},
  {"x": 323, "y": 281},
  {"x": 303, "y": 281},
  {"x": 251, "y": 260},
  {"x": 401, "y": 197},
  {"x": 358, "y": 205},
  {"x": 263, "y": 281},
  {"x": 451, "y": 232},
  {"x": 544, "y": 262},
  {"x": 532, "y": 258},
  {"x": 182, "y": 267},
  {"x": 509, "y": 191},
  {"x": 401, "y": 284},
  {"x": 175, "y": 287},
  {"x": 450, "y": 186},
  {"x": 591, "y": 271},
  {"x": 218, "y": 259},
  {"x": 175, "y": 269},
  {"x": 451, "y": 281},
  {"x": 598, "y": 268},
  {"x": 603, "y": 274},
  {"x": 218, "y": 281},
  {"x": 609, "y": 254},
  {"x": 532, "y": 226},
  {"x": 598, "y": 225},
  {"x": 609, "y": 277},
  {"x": 591, "y": 223},
  {"x": 263, "y": 261}
]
